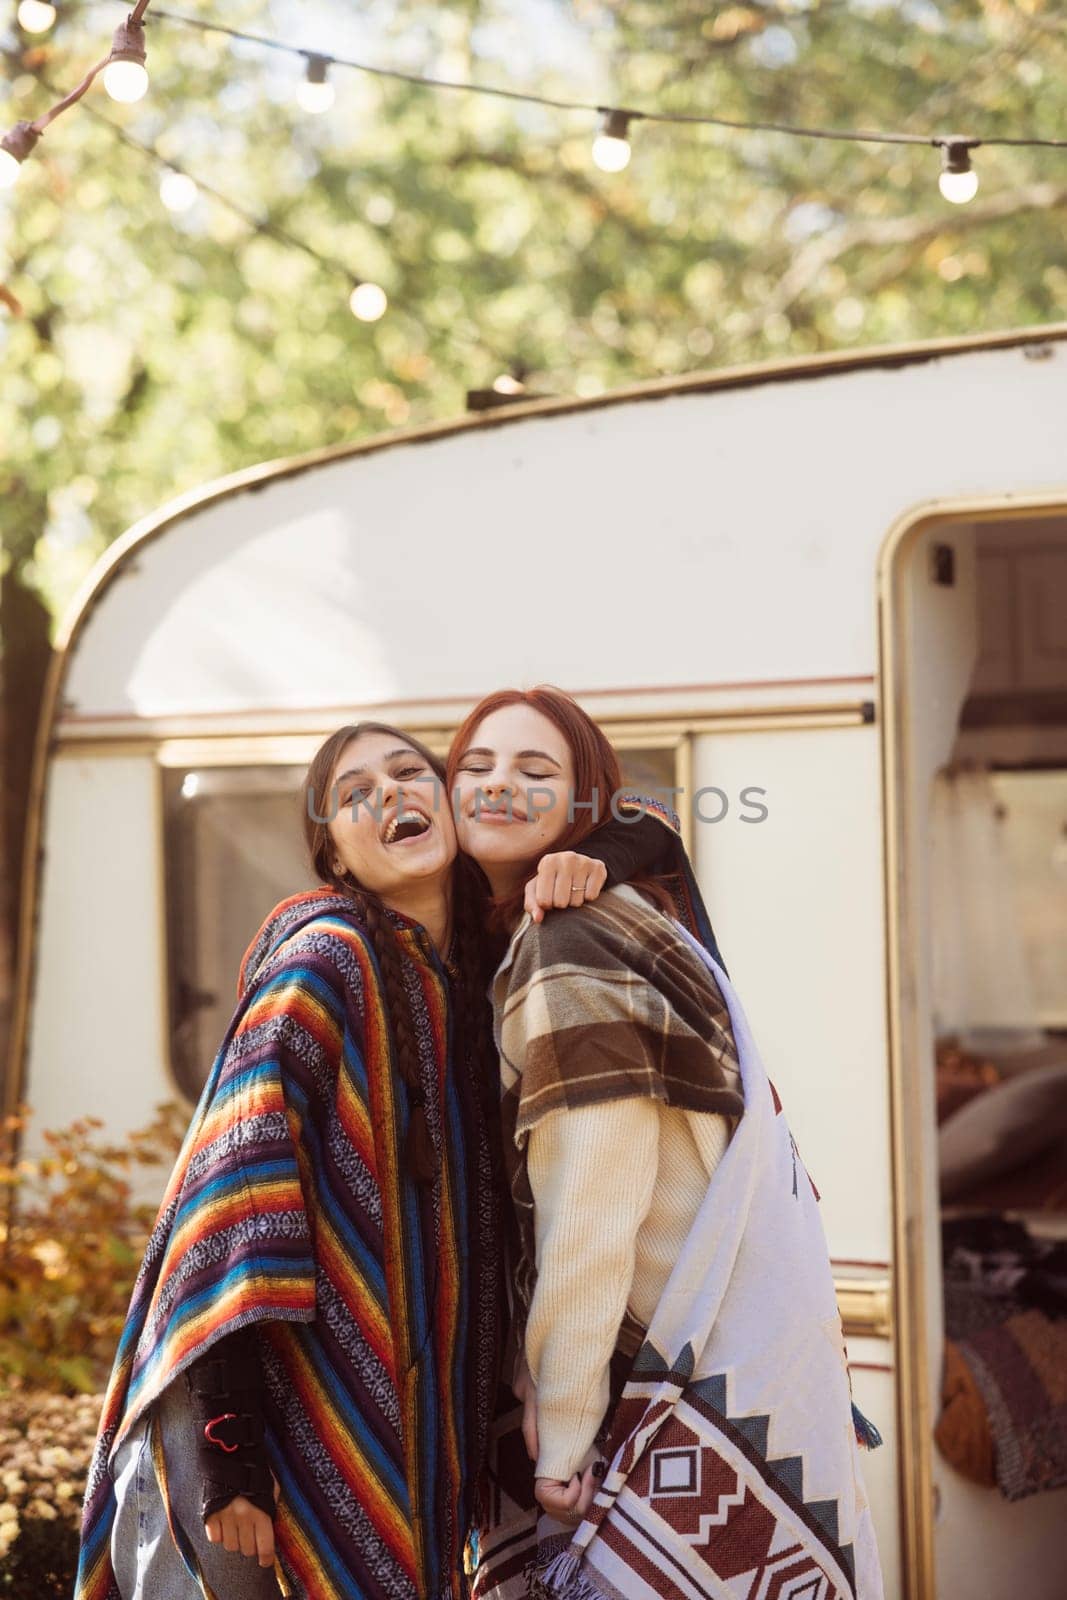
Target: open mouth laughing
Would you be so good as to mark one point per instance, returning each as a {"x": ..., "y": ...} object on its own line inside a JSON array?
[{"x": 405, "y": 826}]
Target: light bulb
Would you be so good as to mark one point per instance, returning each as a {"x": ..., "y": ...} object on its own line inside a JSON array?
[
  {"x": 315, "y": 97},
  {"x": 35, "y": 16},
  {"x": 959, "y": 187},
  {"x": 125, "y": 76},
  {"x": 15, "y": 146},
  {"x": 177, "y": 191},
  {"x": 126, "y": 81},
  {"x": 368, "y": 302},
  {"x": 611, "y": 147},
  {"x": 958, "y": 180},
  {"x": 315, "y": 93},
  {"x": 611, "y": 155},
  {"x": 9, "y": 169}
]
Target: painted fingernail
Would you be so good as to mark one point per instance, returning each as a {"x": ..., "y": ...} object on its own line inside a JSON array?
[{"x": 599, "y": 1469}]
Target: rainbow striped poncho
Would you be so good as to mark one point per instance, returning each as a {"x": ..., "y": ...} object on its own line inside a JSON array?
[{"x": 374, "y": 1300}]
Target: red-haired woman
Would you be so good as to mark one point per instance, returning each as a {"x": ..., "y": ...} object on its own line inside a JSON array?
[
  {"x": 688, "y": 1400},
  {"x": 302, "y": 1390}
]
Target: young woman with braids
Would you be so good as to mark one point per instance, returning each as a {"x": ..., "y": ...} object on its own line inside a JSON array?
[{"x": 302, "y": 1390}]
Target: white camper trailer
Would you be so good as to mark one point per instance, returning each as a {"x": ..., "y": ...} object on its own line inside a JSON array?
[{"x": 825, "y": 601}]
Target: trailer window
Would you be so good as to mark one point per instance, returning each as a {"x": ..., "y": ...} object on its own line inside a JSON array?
[{"x": 234, "y": 848}]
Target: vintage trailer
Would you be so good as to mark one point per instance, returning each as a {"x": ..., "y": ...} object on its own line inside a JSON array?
[{"x": 824, "y": 600}]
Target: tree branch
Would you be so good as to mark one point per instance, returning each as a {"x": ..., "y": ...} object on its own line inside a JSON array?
[
  {"x": 881, "y": 233},
  {"x": 575, "y": 183}
]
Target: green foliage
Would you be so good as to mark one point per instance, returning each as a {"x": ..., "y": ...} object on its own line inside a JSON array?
[
  {"x": 70, "y": 1250},
  {"x": 158, "y": 352}
]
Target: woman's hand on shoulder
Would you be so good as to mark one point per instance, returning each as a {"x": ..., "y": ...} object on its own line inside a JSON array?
[{"x": 564, "y": 878}]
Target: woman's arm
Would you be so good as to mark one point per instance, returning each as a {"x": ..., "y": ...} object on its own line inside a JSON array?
[
  {"x": 590, "y": 1039},
  {"x": 237, "y": 1489},
  {"x": 627, "y": 848},
  {"x": 592, "y": 1171}
]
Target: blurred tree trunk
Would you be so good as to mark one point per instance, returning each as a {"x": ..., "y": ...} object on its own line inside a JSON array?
[{"x": 26, "y": 652}]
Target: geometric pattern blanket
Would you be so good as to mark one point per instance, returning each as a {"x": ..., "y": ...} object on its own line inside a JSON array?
[{"x": 733, "y": 1450}]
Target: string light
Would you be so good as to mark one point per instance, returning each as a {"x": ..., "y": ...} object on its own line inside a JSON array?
[
  {"x": 368, "y": 302},
  {"x": 35, "y": 16},
  {"x": 178, "y": 191},
  {"x": 15, "y": 146},
  {"x": 958, "y": 181},
  {"x": 679, "y": 118},
  {"x": 315, "y": 93},
  {"x": 611, "y": 147},
  {"x": 126, "y": 80},
  {"x": 125, "y": 76}
]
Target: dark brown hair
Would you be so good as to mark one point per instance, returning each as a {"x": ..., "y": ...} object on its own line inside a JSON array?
[{"x": 471, "y": 1031}]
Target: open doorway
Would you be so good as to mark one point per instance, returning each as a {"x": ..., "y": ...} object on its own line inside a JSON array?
[{"x": 977, "y": 811}]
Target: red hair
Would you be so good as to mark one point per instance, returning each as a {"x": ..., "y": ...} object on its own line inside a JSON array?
[{"x": 597, "y": 774}]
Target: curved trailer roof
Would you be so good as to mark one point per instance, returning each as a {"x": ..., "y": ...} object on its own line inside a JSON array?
[{"x": 336, "y": 578}]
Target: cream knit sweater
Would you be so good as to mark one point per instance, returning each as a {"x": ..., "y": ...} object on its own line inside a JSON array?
[{"x": 616, "y": 1188}]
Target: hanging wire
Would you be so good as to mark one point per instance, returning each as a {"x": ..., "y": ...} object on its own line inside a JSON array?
[
  {"x": 631, "y": 113},
  {"x": 621, "y": 114}
]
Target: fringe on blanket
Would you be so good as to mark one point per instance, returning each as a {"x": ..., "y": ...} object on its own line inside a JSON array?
[
  {"x": 867, "y": 1435},
  {"x": 562, "y": 1578}
]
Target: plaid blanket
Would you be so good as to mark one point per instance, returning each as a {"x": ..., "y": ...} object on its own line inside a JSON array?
[
  {"x": 601, "y": 1004},
  {"x": 732, "y": 1446}
]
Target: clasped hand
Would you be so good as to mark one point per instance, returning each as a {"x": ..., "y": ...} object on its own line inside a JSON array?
[
  {"x": 244, "y": 1528},
  {"x": 567, "y": 1501}
]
